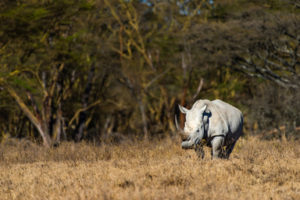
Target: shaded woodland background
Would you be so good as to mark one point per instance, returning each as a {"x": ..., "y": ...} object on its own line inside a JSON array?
[{"x": 102, "y": 70}]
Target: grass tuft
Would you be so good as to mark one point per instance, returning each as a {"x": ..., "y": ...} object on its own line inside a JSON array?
[{"x": 160, "y": 169}]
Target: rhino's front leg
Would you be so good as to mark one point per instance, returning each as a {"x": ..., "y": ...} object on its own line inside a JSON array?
[{"x": 216, "y": 147}]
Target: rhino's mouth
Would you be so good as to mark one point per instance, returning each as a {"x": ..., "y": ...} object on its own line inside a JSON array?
[
  {"x": 185, "y": 137},
  {"x": 187, "y": 144}
]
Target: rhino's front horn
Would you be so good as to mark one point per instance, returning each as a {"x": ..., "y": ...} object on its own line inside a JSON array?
[
  {"x": 177, "y": 125},
  {"x": 181, "y": 132}
]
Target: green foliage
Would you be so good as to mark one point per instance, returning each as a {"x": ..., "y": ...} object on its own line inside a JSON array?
[
  {"x": 121, "y": 67},
  {"x": 229, "y": 86}
]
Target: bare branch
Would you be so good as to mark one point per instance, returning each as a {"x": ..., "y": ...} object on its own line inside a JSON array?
[
  {"x": 82, "y": 110},
  {"x": 198, "y": 89},
  {"x": 157, "y": 77}
]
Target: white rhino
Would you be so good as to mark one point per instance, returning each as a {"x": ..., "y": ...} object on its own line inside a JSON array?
[{"x": 217, "y": 123}]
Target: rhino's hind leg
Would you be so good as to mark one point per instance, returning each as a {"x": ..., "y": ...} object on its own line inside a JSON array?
[
  {"x": 229, "y": 149},
  {"x": 199, "y": 150}
]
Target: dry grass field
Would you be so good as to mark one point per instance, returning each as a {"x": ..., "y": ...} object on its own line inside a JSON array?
[{"x": 257, "y": 169}]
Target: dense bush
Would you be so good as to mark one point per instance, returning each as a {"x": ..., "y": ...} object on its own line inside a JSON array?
[{"x": 95, "y": 69}]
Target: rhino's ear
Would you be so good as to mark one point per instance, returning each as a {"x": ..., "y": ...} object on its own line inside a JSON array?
[
  {"x": 203, "y": 109},
  {"x": 183, "y": 109}
]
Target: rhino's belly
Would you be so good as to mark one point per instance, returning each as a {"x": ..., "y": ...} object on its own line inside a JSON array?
[{"x": 229, "y": 138}]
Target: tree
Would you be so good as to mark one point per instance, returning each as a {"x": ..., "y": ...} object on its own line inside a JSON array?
[
  {"x": 43, "y": 67},
  {"x": 99, "y": 69}
]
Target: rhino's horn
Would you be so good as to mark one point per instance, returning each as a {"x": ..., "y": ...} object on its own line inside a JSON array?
[
  {"x": 181, "y": 132},
  {"x": 177, "y": 125}
]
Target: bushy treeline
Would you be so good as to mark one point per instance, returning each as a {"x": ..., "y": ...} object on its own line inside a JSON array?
[{"x": 104, "y": 69}]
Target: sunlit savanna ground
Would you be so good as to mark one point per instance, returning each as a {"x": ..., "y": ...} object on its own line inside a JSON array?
[{"x": 257, "y": 169}]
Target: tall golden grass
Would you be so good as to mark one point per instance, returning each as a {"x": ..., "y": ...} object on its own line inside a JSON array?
[{"x": 257, "y": 169}]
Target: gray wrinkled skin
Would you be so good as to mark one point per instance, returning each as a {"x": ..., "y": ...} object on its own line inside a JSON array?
[{"x": 218, "y": 122}]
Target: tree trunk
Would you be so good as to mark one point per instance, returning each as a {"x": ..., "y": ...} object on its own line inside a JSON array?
[
  {"x": 79, "y": 130},
  {"x": 33, "y": 119},
  {"x": 57, "y": 128},
  {"x": 144, "y": 118}
]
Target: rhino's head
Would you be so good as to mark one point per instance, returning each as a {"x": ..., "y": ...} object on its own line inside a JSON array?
[{"x": 196, "y": 124}]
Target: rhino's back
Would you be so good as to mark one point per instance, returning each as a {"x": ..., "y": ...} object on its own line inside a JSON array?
[
  {"x": 224, "y": 115},
  {"x": 233, "y": 117},
  {"x": 228, "y": 110}
]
